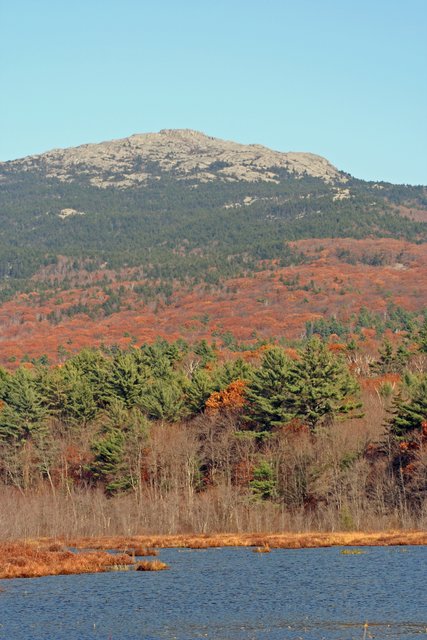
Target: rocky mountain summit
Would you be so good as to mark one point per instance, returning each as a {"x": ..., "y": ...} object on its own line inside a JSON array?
[
  {"x": 187, "y": 154},
  {"x": 180, "y": 205}
]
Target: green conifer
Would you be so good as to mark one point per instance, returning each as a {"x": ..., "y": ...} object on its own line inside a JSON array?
[
  {"x": 410, "y": 414},
  {"x": 267, "y": 392},
  {"x": 320, "y": 386}
]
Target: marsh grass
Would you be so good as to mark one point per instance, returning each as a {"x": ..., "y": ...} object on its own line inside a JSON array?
[
  {"x": 273, "y": 541},
  {"x": 151, "y": 565},
  {"x": 32, "y": 560},
  {"x": 51, "y": 556},
  {"x": 121, "y": 567}
]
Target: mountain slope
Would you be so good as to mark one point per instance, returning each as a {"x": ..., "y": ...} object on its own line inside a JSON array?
[
  {"x": 187, "y": 203},
  {"x": 180, "y": 234}
]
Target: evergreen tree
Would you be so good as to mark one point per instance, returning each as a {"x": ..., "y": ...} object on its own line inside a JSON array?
[
  {"x": 386, "y": 362},
  {"x": 263, "y": 485},
  {"x": 232, "y": 370},
  {"x": 4, "y": 381},
  {"x": 23, "y": 412},
  {"x": 402, "y": 357},
  {"x": 199, "y": 390},
  {"x": 92, "y": 366},
  {"x": 68, "y": 395},
  {"x": 108, "y": 464},
  {"x": 320, "y": 386},
  {"x": 125, "y": 380},
  {"x": 162, "y": 355},
  {"x": 410, "y": 415},
  {"x": 267, "y": 392},
  {"x": 164, "y": 400},
  {"x": 422, "y": 336},
  {"x": 205, "y": 352}
]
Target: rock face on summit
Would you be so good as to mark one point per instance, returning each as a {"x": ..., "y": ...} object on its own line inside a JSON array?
[{"x": 187, "y": 154}]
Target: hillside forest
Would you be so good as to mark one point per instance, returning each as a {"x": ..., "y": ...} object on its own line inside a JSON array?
[
  {"x": 180, "y": 354},
  {"x": 172, "y": 437}
]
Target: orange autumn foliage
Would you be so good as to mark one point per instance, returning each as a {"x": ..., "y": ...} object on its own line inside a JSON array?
[
  {"x": 374, "y": 384},
  {"x": 230, "y": 398},
  {"x": 336, "y": 347},
  {"x": 276, "y": 301}
]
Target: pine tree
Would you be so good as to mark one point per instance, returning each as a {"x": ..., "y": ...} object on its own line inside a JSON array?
[
  {"x": 164, "y": 400},
  {"x": 125, "y": 380},
  {"x": 263, "y": 485},
  {"x": 422, "y": 336},
  {"x": 68, "y": 395},
  {"x": 386, "y": 362},
  {"x": 402, "y": 357},
  {"x": 4, "y": 381},
  {"x": 108, "y": 464},
  {"x": 231, "y": 371},
  {"x": 410, "y": 415},
  {"x": 320, "y": 386},
  {"x": 267, "y": 392},
  {"x": 205, "y": 352},
  {"x": 23, "y": 412},
  {"x": 199, "y": 390},
  {"x": 92, "y": 366}
]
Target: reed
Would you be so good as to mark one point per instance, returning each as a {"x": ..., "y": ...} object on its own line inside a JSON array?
[
  {"x": 274, "y": 541},
  {"x": 151, "y": 565},
  {"x": 29, "y": 560}
]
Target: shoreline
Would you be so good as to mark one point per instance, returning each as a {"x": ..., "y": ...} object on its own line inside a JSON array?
[
  {"x": 273, "y": 540},
  {"x": 40, "y": 557}
]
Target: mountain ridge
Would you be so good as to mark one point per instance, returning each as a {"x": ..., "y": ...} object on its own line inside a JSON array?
[
  {"x": 182, "y": 204},
  {"x": 188, "y": 153}
]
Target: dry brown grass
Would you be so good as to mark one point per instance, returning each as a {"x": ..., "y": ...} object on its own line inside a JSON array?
[
  {"x": 44, "y": 556},
  {"x": 33, "y": 560},
  {"x": 151, "y": 565},
  {"x": 277, "y": 541}
]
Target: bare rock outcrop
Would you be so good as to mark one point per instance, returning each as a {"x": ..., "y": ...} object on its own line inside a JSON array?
[{"x": 185, "y": 153}]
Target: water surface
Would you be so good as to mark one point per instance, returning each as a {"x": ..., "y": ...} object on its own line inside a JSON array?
[{"x": 230, "y": 594}]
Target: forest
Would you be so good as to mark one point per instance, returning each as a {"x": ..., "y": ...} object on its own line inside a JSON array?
[
  {"x": 328, "y": 286},
  {"x": 180, "y": 231},
  {"x": 175, "y": 438},
  {"x": 189, "y": 356}
]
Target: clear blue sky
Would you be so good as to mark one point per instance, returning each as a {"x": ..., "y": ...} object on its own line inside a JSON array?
[{"x": 346, "y": 79}]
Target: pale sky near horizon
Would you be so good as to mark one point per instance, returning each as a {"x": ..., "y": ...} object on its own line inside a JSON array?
[{"x": 346, "y": 79}]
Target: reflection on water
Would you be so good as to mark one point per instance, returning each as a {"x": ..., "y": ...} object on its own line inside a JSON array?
[{"x": 230, "y": 594}]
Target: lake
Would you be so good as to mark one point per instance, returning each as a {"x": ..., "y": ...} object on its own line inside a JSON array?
[{"x": 230, "y": 594}]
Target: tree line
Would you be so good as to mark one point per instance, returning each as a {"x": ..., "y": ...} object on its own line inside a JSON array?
[{"x": 169, "y": 418}]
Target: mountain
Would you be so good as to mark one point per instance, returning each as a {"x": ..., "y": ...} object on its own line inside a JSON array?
[
  {"x": 156, "y": 271},
  {"x": 187, "y": 154},
  {"x": 107, "y": 232},
  {"x": 153, "y": 198}
]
